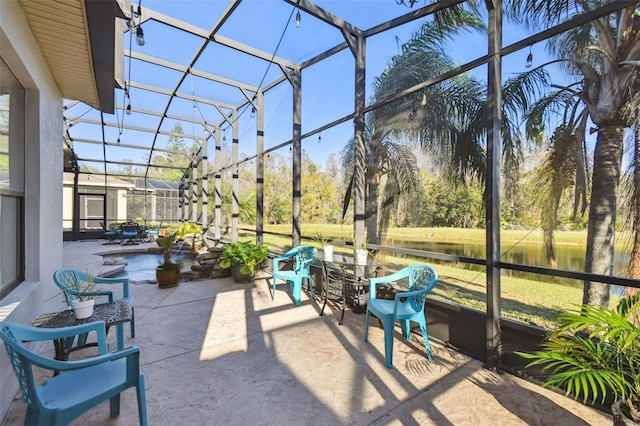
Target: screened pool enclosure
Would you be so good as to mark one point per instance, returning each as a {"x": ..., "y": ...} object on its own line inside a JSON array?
[{"x": 408, "y": 129}]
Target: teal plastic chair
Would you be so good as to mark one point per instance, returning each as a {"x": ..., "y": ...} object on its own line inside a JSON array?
[
  {"x": 67, "y": 278},
  {"x": 405, "y": 307},
  {"x": 82, "y": 384},
  {"x": 302, "y": 256}
]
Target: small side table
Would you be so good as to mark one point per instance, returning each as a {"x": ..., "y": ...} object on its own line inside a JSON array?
[{"x": 116, "y": 313}]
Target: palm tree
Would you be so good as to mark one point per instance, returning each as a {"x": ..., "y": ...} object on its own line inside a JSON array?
[
  {"x": 392, "y": 169},
  {"x": 604, "y": 54},
  {"x": 447, "y": 120},
  {"x": 437, "y": 113}
]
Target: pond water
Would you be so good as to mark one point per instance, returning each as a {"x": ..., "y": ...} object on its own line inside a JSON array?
[
  {"x": 568, "y": 258},
  {"x": 141, "y": 267}
]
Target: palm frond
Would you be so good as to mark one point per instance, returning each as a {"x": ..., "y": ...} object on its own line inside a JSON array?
[{"x": 594, "y": 353}]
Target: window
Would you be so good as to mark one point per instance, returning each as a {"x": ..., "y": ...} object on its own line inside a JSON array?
[{"x": 11, "y": 180}]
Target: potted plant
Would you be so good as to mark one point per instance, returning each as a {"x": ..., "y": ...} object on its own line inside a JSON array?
[
  {"x": 361, "y": 254},
  {"x": 595, "y": 354},
  {"x": 327, "y": 247},
  {"x": 242, "y": 258},
  {"x": 85, "y": 294},
  {"x": 168, "y": 272}
]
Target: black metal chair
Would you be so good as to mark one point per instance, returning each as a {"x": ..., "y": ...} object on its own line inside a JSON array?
[
  {"x": 111, "y": 234},
  {"x": 130, "y": 232}
]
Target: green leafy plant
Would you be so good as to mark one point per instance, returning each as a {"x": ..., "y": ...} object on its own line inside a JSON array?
[
  {"x": 596, "y": 353},
  {"x": 166, "y": 243},
  {"x": 244, "y": 253}
]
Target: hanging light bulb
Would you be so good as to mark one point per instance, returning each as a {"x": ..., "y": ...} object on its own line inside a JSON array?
[
  {"x": 320, "y": 137},
  {"x": 298, "y": 19},
  {"x": 424, "y": 99},
  {"x": 253, "y": 112},
  {"x": 529, "y": 62},
  {"x": 139, "y": 36},
  {"x": 128, "y": 109},
  {"x": 194, "y": 106},
  {"x": 224, "y": 139}
]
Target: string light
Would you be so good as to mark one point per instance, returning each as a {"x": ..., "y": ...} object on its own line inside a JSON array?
[
  {"x": 139, "y": 36},
  {"x": 253, "y": 112},
  {"x": 319, "y": 137},
  {"x": 298, "y": 19},
  {"x": 529, "y": 62},
  {"x": 424, "y": 99}
]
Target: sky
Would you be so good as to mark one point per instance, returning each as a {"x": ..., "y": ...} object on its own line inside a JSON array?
[{"x": 268, "y": 25}]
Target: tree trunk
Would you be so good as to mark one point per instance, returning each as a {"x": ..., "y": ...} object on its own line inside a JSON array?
[
  {"x": 634, "y": 262},
  {"x": 602, "y": 212},
  {"x": 371, "y": 219}
]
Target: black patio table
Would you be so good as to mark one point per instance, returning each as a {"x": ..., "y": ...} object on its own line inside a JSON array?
[
  {"x": 113, "y": 314},
  {"x": 347, "y": 282}
]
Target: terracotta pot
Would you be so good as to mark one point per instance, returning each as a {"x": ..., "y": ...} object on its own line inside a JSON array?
[{"x": 167, "y": 277}]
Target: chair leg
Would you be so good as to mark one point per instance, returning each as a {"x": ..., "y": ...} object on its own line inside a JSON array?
[
  {"x": 366, "y": 326},
  {"x": 133, "y": 326},
  {"x": 82, "y": 339},
  {"x": 296, "y": 291},
  {"x": 142, "y": 402},
  {"x": 273, "y": 288},
  {"x": 388, "y": 324},
  {"x": 312, "y": 290},
  {"x": 114, "y": 405},
  {"x": 120, "y": 336},
  {"x": 35, "y": 417},
  {"x": 425, "y": 337},
  {"x": 405, "y": 325}
]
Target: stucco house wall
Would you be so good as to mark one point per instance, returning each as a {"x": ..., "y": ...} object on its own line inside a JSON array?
[{"x": 43, "y": 177}]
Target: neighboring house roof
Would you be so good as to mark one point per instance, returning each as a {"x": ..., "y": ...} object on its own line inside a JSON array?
[
  {"x": 97, "y": 181},
  {"x": 157, "y": 184}
]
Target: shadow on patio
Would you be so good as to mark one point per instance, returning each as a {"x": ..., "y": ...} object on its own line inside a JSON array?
[{"x": 217, "y": 352}]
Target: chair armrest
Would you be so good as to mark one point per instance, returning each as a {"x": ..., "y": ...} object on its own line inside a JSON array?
[
  {"x": 107, "y": 293},
  {"x": 55, "y": 365},
  {"x": 110, "y": 281},
  {"x": 373, "y": 282},
  {"x": 26, "y": 333},
  {"x": 283, "y": 258},
  {"x": 407, "y": 295}
]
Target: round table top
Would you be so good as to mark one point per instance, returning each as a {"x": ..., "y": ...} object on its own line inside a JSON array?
[{"x": 111, "y": 313}]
